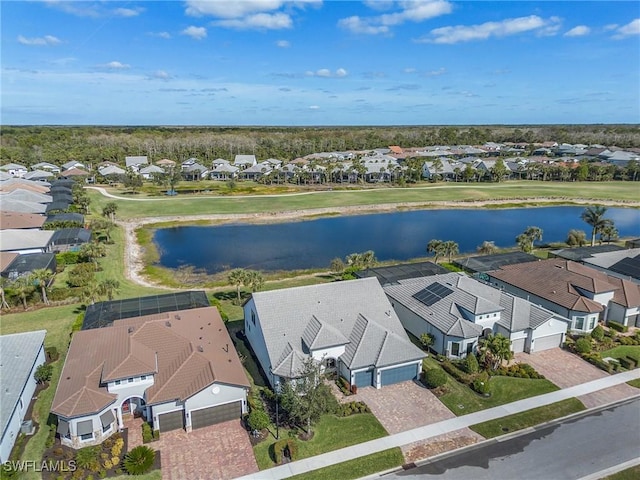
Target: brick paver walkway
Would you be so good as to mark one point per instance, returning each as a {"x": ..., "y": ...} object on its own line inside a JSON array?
[
  {"x": 566, "y": 370},
  {"x": 218, "y": 452}
]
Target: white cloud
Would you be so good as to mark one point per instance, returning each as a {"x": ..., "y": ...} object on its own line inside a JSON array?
[
  {"x": 410, "y": 70},
  {"x": 197, "y": 33},
  {"x": 410, "y": 11},
  {"x": 128, "y": 12},
  {"x": 314, "y": 107},
  {"x": 161, "y": 75},
  {"x": 379, "y": 4},
  {"x": 230, "y": 9},
  {"x": 47, "y": 40},
  {"x": 116, "y": 65},
  {"x": 165, "y": 35},
  {"x": 578, "y": 31},
  {"x": 436, "y": 73},
  {"x": 275, "y": 21},
  {"x": 630, "y": 29},
  {"x": 507, "y": 27},
  {"x": 326, "y": 73},
  {"x": 283, "y": 43}
]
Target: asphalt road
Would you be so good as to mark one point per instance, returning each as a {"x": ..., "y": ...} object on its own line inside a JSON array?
[{"x": 566, "y": 451}]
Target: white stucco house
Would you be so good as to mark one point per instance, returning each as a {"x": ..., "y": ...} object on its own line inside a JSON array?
[
  {"x": 349, "y": 327},
  {"x": 20, "y": 355},
  {"x": 179, "y": 370},
  {"x": 578, "y": 292},
  {"x": 458, "y": 311}
]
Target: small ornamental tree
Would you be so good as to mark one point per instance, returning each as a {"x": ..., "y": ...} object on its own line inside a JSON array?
[
  {"x": 139, "y": 460},
  {"x": 598, "y": 333},
  {"x": 258, "y": 419},
  {"x": 435, "y": 377},
  {"x": 43, "y": 373},
  {"x": 583, "y": 345},
  {"x": 471, "y": 365},
  {"x": 427, "y": 340}
]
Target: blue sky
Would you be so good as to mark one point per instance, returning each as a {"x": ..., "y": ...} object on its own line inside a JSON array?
[{"x": 319, "y": 62}]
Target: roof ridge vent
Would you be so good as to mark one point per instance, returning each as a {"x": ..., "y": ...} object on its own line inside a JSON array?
[{"x": 130, "y": 329}]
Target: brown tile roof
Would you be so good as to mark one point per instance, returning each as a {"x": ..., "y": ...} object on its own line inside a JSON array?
[
  {"x": 188, "y": 350},
  {"x": 74, "y": 172},
  {"x": 5, "y": 259},
  {"x": 16, "y": 184},
  {"x": 558, "y": 281},
  {"x": 396, "y": 149},
  {"x": 628, "y": 295},
  {"x": 20, "y": 220}
]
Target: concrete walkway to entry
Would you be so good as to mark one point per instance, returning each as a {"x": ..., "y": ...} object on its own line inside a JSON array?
[{"x": 435, "y": 429}]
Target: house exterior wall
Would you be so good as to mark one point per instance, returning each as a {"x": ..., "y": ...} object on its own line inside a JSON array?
[
  {"x": 331, "y": 352},
  {"x": 256, "y": 338},
  {"x": 73, "y": 440},
  {"x": 13, "y": 427},
  {"x": 464, "y": 345},
  {"x": 619, "y": 313},
  {"x": 213, "y": 395},
  {"x": 553, "y": 326},
  {"x": 378, "y": 372}
]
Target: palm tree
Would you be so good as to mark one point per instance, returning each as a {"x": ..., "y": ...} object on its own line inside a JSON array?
[
  {"x": 487, "y": 247},
  {"x": 450, "y": 248},
  {"x": 255, "y": 280},
  {"x": 437, "y": 248},
  {"x": 494, "y": 350},
  {"x": 23, "y": 287},
  {"x": 91, "y": 291},
  {"x": 237, "y": 277},
  {"x": 437, "y": 166},
  {"x": 4, "y": 282},
  {"x": 109, "y": 210},
  {"x": 594, "y": 216},
  {"x": 109, "y": 287},
  {"x": 526, "y": 239},
  {"x": 608, "y": 233},
  {"x": 576, "y": 238},
  {"x": 42, "y": 277},
  {"x": 93, "y": 251}
]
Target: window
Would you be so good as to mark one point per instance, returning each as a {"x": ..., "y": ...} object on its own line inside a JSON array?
[
  {"x": 455, "y": 349},
  {"x": 592, "y": 323},
  {"x": 118, "y": 382},
  {"x": 253, "y": 317},
  {"x": 21, "y": 404},
  {"x": 579, "y": 323},
  {"x": 130, "y": 380},
  {"x": 106, "y": 428},
  {"x": 143, "y": 377},
  {"x": 87, "y": 436}
]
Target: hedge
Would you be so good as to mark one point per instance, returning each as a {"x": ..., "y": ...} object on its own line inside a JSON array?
[
  {"x": 435, "y": 377},
  {"x": 618, "y": 327},
  {"x": 280, "y": 446}
]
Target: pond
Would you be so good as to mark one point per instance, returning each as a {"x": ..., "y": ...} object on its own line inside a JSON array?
[{"x": 392, "y": 236}]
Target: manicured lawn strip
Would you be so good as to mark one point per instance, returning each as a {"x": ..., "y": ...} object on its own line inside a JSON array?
[
  {"x": 461, "y": 400},
  {"x": 632, "y": 473},
  {"x": 622, "y": 351},
  {"x": 634, "y": 383},
  {"x": 530, "y": 418},
  {"x": 519, "y": 191},
  {"x": 331, "y": 433},
  {"x": 358, "y": 467}
]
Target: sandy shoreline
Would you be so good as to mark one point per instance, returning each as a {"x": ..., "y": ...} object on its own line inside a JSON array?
[{"x": 133, "y": 254}]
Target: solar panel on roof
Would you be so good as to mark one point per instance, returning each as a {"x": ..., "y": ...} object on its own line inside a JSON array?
[{"x": 432, "y": 293}]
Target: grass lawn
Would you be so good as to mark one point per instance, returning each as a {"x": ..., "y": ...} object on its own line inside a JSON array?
[
  {"x": 357, "y": 468},
  {"x": 461, "y": 400},
  {"x": 519, "y": 191},
  {"x": 635, "y": 383},
  {"x": 330, "y": 433},
  {"x": 622, "y": 351},
  {"x": 536, "y": 416},
  {"x": 632, "y": 473}
]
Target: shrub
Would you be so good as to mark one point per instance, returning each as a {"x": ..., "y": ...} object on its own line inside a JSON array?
[
  {"x": 67, "y": 258},
  {"x": 139, "y": 460},
  {"x": 456, "y": 373},
  {"x": 156, "y": 434},
  {"x": 59, "y": 294},
  {"x": 482, "y": 384},
  {"x": 102, "y": 474},
  {"x": 285, "y": 446},
  {"x": 52, "y": 353},
  {"x": 77, "y": 324},
  {"x": 583, "y": 345},
  {"x": 471, "y": 364},
  {"x": 597, "y": 333},
  {"x": 88, "y": 458},
  {"x": 51, "y": 436},
  {"x": 626, "y": 363},
  {"x": 343, "y": 385},
  {"x": 81, "y": 275},
  {"x": 147, "y": 435},
  {"x": 435, "y": 377},
  {"x": 350, "y": 408},
  {"x": 43, "y": 373},
  {"x": 216, "y": 303},
  {"x": 617, "y": 326},
  {"x": 258, "y": 419}
]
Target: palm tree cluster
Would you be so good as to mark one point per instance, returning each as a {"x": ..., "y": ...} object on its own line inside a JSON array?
[
  {"x": 248, "y": 278},
  {"x": 594, "y": 216},
  {"x": 494, "y": 350},
  {"x": 527, "y": 238},
  {"x": 441, "y": 248}
]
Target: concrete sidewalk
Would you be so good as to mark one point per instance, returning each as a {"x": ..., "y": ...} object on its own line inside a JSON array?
[{"x": 433, "y": 430}]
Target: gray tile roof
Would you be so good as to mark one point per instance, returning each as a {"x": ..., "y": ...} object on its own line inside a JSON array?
[
  {"x": 449, "y": 314},
  {"x": 18, "y": 353},
  {"x": 356, "y": 313}
]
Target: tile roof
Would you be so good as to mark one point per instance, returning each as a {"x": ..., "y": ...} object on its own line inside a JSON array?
[
  {"x": 5, "y": 259},
  {"x": 186, "y": 351},
  {"x": 19, "y": 220},
  {"x": 11, "y": 240},
  {"x": 355, "y": 313}
]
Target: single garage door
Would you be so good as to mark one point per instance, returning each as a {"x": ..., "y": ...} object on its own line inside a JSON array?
[
  {"x": 545, "y": 343},
  {"x": 517, "y": 345},
  {"x": 364, "y": 379},
  {"x": 398, "y": 374},
  {"x": 212, "y": 415},
  {"x": 171, "y": 421}
]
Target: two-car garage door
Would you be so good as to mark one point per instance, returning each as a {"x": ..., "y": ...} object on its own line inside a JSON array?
[
  {"x": 398, "y": 374},
  {"x": 212, "y": 415},
  {"x": 545, "y": 343}
]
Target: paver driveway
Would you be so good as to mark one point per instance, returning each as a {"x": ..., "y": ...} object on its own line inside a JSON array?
[
  {"x": 219, "y": 452},
  {"x": 566, "y": 370},
  {"x": 407, "y": 405}
]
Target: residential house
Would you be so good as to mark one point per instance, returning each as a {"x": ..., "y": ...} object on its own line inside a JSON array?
[
  {"x": 20, "y": 355},
  {"x": 10, "y": 205},
  {"x": 578, "y": 254},
  {"x": 17, "y": 220},
  {"x": 20, "y": 183},
  {"x": 47, "y": 167},
  {"x": 24, "y": 265},
  {"x": 575, "y": 291},
  {"x": 150, "y": 171},
  {"x": 38, "y": 176},
  {"x": 178, "y": 370},
  {"x": 111, "y": 171},
  {"x": 14, "y": 169},
  {"x": 194, "y": 171},
  {"x": 26, "y": 196},
  {"x": 5, "y": 260},
  {"x": 445, "y": 170},
  {"x": 70, "y": 239},
  {"x": 348, "y": 327},
  {"x": 458, "y": 310},
  {"x": 135, "y": 162},
  {"x": 224, "y": 171},
  {"x": 75, "y": 173},
  {"x": 617, "y": 263},
  {"x": 72, "y": 164},
  {"x": 257, "y": 171},
  {"x": 244, "y": 161},
  {"x": 25, "y": 241}
]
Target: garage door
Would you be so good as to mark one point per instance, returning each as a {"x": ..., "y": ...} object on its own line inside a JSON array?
[
  {"x": 212, "y": 415},
  {"x": 171, "y": 421},
  {"x": 545, "y": 343},
  {"x": 399, "y": 374},
  {"x": 364, "y": 379},
  {"x": 517, "y": 345}
]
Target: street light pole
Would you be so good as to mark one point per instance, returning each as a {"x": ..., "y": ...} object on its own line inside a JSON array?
[{"x": 277, "y": 410}]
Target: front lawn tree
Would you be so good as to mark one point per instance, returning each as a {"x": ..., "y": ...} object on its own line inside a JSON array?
[
  {"x": 594, "y": 216},
  {"x": 494, "y": 350},
  {"x": 427, "y": 340},
  {"x": 42, "y": 278}
]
